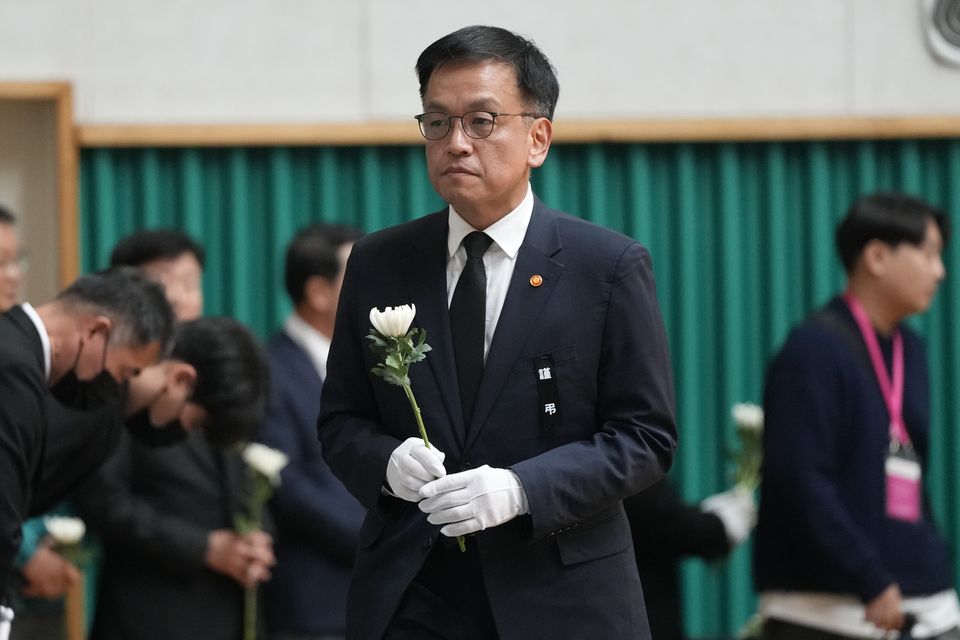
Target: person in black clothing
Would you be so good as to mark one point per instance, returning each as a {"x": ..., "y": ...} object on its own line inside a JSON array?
[
  {"x": 667, "y": 530},
  {"x": 106, "y": 325},
  {"x": 845, "y": 544}
]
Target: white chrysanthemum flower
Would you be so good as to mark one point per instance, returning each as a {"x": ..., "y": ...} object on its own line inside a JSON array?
[
  {"x": 265, "y": 461},
  {"x": 748, "y": 415},
  {"x": 393, "y": 322},
  {"x": 65, "y": 530}
]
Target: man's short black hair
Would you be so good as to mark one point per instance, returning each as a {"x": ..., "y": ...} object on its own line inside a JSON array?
[
  {"x": 536, "y": 77},
  {"x": 135, "y": 304},
  {"x": 6, "y": 216},
  {"x": 313, "y": 252},
  {"x": 149, "y": 245},
  {"x": 889, "y": 217},
  {"x": 232, "y": 376}
]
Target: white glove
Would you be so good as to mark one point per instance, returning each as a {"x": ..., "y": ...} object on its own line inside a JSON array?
[
  {"x": 473, "y": 500},
  {"x": 6, "y": 616},
  {"x": 736, "y": 510},
  {"x": 411, "y": 466}
]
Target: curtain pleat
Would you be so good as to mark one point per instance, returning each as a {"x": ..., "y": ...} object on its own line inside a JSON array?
[{"x": 741, "y": 237}]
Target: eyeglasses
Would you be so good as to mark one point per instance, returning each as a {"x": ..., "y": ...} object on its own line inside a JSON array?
[
  {"x": 14, "y": 266},
  {"x": 435, "y": 125}
]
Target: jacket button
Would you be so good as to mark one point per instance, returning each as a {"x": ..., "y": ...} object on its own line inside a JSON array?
[{"x": 427, "y": 544}]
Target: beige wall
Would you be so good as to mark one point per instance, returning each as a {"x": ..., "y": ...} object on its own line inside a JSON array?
[
  {"x": 256, "y": 61},
  {"x": 28, "y": 187}
]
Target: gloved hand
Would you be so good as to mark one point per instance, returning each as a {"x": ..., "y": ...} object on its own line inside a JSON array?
[
  {"x": 737, "y": 511},
  {"x": 473, "y": 500},
  {"x": 411, "y": 466}
]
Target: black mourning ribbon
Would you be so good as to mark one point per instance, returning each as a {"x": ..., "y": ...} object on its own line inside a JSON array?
[{"x": 467, "y": 320}]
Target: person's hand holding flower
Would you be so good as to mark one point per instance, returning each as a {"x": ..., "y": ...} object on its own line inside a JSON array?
[
  {"x": 265, "y": 465},
  {"x": 415, "y": 462}
]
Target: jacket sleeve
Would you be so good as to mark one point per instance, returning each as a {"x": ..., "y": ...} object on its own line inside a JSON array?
[
  {"x": 634, "y": 436},
  {"x": 21, "y": 427},
  {"x": 663, "y": 525},
  {"x": 353, "y": 440}
]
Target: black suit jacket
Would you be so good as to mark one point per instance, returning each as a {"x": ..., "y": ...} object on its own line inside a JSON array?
[
  {"x": 153, "y": 508},
  {"x": 23, "y": 423},
  {"x": 567, "y": 569},
  {"x": 666, "y": 530}
]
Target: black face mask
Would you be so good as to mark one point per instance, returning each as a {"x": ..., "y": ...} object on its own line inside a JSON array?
[
  {"x": 85, "y": 395},
  {"x": 144, "y": 432}
]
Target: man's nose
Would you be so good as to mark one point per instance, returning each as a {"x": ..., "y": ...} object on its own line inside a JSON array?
[{"x": 457, "y": 140}]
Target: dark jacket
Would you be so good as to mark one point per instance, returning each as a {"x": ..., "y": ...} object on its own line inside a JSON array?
[
  {"x": 153, "y": 508},
  {"x": 23, "y": 424},
  {"x": 822, "y": 521},
  {"x": 566, "y": 569},
  {"x": 666, "y": 530},
  {"x": 317, "y": 519}
]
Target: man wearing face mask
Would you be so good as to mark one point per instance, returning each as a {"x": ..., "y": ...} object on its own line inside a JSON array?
[
  {"x": 174, "y": 567},
  {"x": 115, "y": 322}
]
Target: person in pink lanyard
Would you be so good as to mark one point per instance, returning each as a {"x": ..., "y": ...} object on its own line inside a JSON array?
[{"x": 845, "y": 545}]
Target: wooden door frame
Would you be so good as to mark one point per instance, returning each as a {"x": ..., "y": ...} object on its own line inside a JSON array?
[{"x": 61, "y": 95}]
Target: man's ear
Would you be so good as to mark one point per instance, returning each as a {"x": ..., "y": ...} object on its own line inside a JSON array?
[
  {"x": 99, "y": 323},
  {"x": 541, "y": 134},
  {"x": 874, "y": 257},
  {"x": 182, "y": 373}
]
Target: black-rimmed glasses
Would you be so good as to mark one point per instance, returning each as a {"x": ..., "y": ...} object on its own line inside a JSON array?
[{"x": 435, "y": 125}]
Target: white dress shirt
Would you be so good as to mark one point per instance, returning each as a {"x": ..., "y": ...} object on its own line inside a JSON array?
[
  {"x": 44, "y": 336},
  {"x": 310, "y": 340},
  {"x": 507, "y": 234}
]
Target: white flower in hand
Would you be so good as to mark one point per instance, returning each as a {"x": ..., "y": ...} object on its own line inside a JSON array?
[
  {"x": 65, "y": 530},
  {"x": 265, "y": 461},
  {"x": 393, "y": 322},
  {"x": 748, "y": 416}
]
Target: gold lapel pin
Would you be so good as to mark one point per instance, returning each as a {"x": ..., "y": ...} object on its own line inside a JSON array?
[{"x": 536, "y": 280}]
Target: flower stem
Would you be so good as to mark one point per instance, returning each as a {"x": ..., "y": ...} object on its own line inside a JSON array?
[
  {"x": 416, "y": 414},
  {"x": 461, "y": 541},
  {"x": 250, "y": 614}
]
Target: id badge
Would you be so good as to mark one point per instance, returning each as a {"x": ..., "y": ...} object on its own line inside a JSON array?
[{"x": 903, "y": 483}]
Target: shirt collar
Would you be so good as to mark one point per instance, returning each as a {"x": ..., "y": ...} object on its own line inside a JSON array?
[
  {"x": 44, "y": 336},
  {"x": 507, "y": 232},
  {"x": 310, "y": 340}
]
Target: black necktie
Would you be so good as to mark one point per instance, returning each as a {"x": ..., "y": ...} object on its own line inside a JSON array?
[{"x": 467, "y": 319}]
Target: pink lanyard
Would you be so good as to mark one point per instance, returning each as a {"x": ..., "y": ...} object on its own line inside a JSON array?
[{"x": 892, "y": 390}]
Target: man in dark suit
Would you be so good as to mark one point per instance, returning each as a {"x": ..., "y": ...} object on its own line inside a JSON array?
[
  {"x": 110, "y": 323},
  {"x": 317, "y": 519},
  {"x": 548, "y": 395}
]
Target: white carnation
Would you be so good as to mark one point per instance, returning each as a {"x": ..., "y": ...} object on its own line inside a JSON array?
[
  {"x": 65, "y": 530},
  {"x": 393, "y": 322},
  {"x": 748, "y": 415},
  {"x": 265, "y": 461}
]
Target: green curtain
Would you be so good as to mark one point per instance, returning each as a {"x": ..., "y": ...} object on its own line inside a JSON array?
[{"x": 741, "y": 236}]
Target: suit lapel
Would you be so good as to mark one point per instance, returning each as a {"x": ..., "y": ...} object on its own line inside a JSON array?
[
  {"x": 521, "y": 310},
  {"x": 426, "y": 276}
]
